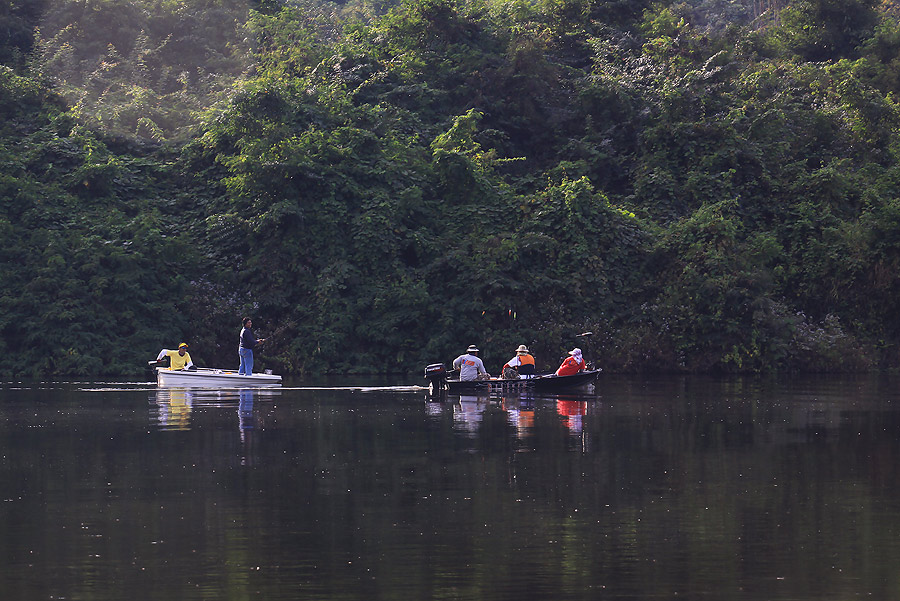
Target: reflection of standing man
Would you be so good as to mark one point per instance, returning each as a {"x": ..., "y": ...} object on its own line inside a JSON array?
[
  {"x": 245, "y": 350},
  {"x": 245, "y": 410},
  {"x": 245, "y": 423},
  {"x": 470, "y": 366}
]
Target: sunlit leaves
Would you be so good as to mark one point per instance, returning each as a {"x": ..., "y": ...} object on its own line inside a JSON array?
[
  {"x": 143, "y": 68},
  {"x": 377, "y": 187}
]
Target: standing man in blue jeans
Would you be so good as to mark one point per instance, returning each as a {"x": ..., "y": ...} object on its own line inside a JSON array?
[{"x": 245, "y": 350}]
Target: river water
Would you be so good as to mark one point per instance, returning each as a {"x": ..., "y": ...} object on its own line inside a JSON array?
[{"x": 659, "y": 488}]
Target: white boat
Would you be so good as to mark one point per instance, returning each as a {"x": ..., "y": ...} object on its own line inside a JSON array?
[{"x": 204, "y": 377}]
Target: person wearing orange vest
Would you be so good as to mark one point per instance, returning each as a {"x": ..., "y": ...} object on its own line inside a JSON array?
[
  {"x": 522, "y": 363},
  {"x": 573, "y": 364}
]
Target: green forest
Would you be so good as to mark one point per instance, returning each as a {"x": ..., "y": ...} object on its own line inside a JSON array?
[{"x": 709, "y": 186}]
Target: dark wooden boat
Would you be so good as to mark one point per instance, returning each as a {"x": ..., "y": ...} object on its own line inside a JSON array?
[
  {"x": 554, "y": 383},
  {"x": 437, "y": 376}
]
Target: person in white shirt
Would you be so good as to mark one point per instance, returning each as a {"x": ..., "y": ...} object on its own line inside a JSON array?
[{"x": 470, "y": 365}]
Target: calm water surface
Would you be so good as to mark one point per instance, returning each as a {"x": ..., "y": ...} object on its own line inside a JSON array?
[{"x": 680, "y": 488}]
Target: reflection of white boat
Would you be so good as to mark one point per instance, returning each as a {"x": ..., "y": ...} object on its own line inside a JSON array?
[
  {"x": 212, "y": 378},
  {"x": 173, "y": 409}
]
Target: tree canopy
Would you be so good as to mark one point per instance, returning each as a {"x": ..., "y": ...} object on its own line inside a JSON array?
[{"x": 702, "y": 185}]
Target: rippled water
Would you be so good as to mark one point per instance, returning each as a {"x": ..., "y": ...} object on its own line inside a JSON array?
[{"x": 666, "y": 488}]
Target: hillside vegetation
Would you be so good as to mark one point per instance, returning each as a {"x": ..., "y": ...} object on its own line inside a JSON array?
[{"x": 707, "y": 186}]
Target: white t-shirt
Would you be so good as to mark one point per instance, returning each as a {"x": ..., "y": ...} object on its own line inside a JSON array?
[{"x": 469, "y": 367}]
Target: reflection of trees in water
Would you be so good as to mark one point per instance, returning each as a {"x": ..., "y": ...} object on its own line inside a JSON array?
[{"x": 652, "y": 420}]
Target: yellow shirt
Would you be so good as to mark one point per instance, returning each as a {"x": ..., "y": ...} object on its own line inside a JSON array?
[{"x": 177, "y": 361}]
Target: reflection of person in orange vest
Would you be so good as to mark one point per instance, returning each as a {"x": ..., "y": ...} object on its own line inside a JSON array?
[
  {"x": 573, "y": 364},
  {"x": 520, "y": 365}
]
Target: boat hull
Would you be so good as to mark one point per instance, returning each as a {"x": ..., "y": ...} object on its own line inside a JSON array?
[
  {"x": 544, "y": 383},
  {"x": 213, "y": 378},
  {"x": 553, "y": 383}
]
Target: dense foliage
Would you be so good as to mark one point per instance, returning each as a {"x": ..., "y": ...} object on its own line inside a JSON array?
[{"x": 379, "y": 185}]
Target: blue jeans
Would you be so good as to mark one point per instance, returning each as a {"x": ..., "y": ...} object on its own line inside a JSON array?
[{"x": 246, "y": 368}]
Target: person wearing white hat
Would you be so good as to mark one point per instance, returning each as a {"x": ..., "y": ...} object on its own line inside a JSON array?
[
  {"x": 573, "y": 364},
  {"x": 522, "y": 365},
  {"x": 470, "y": 365}
]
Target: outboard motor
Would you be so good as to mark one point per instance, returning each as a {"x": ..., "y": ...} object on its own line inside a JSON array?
[
  {"x": 164, "y": 362},
  {"x": 436, "y": 374}
]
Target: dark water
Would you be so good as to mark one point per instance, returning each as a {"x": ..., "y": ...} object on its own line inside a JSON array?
[{"x": 648, "y": 489}]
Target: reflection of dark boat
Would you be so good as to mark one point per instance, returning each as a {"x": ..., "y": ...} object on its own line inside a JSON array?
[{"x": 438, "y": 380}]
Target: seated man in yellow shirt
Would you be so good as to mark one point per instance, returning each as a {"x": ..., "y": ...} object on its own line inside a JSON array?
[{"x": 180, "y": 359}]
